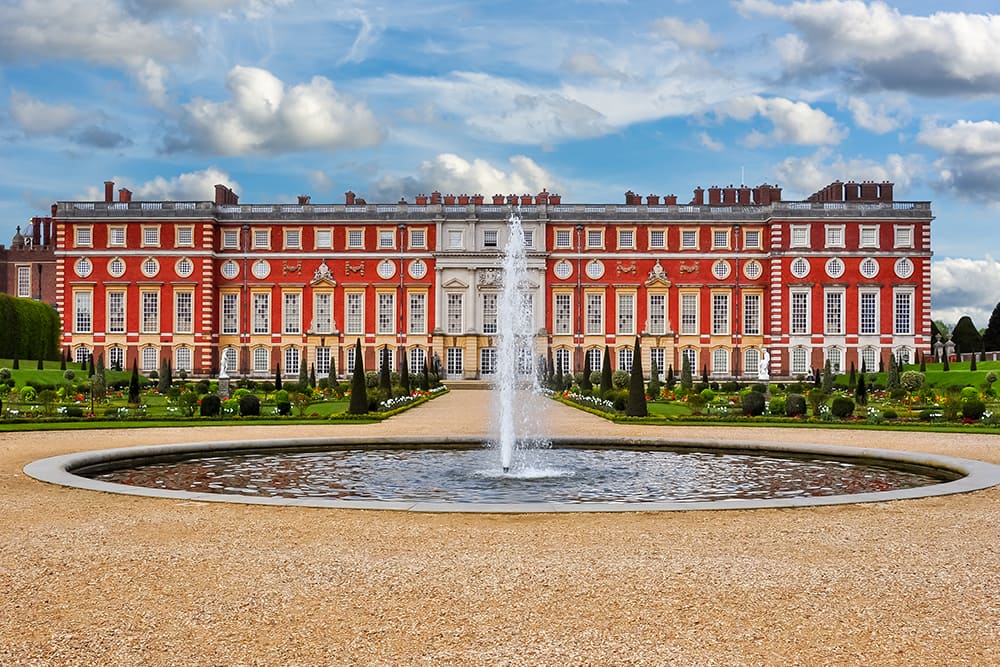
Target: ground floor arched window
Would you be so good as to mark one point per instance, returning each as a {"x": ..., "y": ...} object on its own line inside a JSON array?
[
  {"x": 690, "y": 355},
  {"x": 595, "y": 359},
  {"x": 625, "y": 358},
  {"x": 800, "y": 361},
  {"x": 562, "y": 361},
  {"x": 183, "y": 359},
  {"x": 720, "y": 361},
  {"x": 869, "y": 359},
  {"x": 82, "y": 354},
  {"x": 293, "y": 358},
  {"x": 149, "y": 359},
  {"x": 261, "y": 360},
  {"x": 835, "y": 356},
  {"x": 116, "y": 358},
  {"x": 751, "y": 361},
  {"x": 417, "y": 357}
]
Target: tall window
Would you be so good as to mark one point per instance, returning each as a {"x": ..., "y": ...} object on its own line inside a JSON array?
[
  {"x": 453, "y": 361},
  {"x": 800, "y": 361},
  {"x": 902, "y": 316},
  {"x": 350, "y": 360},
  {"x": 562, "y": 317},
  {"x": 116, "y": 312},
  {"x": 116, "y": 359},
  {"x": 261, "y": 360},
  {"x": 869, "y": 359},
  {"x": 386, "y": 312},
  {"x": 292, "y": 313},
  {"x": 689, "y": 314},
  {"x": 418, "y": 313},
  {"x": 355, "y": 316},
  {"x": 489, "y": 313},
  {"x": 149, "y": 359},
  {"x": 595, "y": 359},
  {"x": 562, "y": 360},
  {"x": 323, "y": 312},
  {"x": 720, "y": 361},
  {"x": 751, "y": 314},
  {"x": 834, "y": 312},
  {"x": 24, "y": 282},
  {"x": 417, "y": 357},
  {"x": 150, "y": 313},
  {"x": 595, "y": 313},
  {"x": 836, "y": 358},
  {"x": 84, "y": 312},
  {"x": 182, "y": 359},
  {"x": 657, "y": 314},
  {"x": 799, "y": 312},
  {"x": 184, "y": 312},
  {"x": 626, "y": 313},
  {"x": 751, "y": 360},
  {"x": 625, "y": 355},
  {"x": 292, "y": 358},
  {"x": 690, "y": 355},
  {"x": 230, "y": 313},
  {"x": 868, "y": 316},
  {"x": 261, "y": 313},
  {"x": 454, "y": 320},
  {"x": 657, "y": 356},
  {"x": 487, "y": 361},
  {"x": 720, "y": 314}
]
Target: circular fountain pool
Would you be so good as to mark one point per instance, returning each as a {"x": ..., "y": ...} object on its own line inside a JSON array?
[{"x": 458, "y": 474}]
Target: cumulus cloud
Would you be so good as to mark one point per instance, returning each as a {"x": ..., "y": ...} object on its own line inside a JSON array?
[
  {"x": 693, "y": 35},
  {"x": 885, "y": 116},
  {"x": 802, "y": 176},
  {"x": 585, "y": 63},
  {"x": 794, "y": 122},
  {"x": 963, "y": 286},
  {"x": 940, "y": 54},
  {"x": 710, "y": 143},
  {"x": 320, "y": 180},
  {"x": 190, "y": 186},
  {"x": 40, "y": 118},
  {"x": 970, "y": 162},
  {"x": 264, "y": 116},
  {"x": 448, "y": 172}
]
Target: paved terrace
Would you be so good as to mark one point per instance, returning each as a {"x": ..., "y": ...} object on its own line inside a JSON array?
[{"x": 100, "y": 579}]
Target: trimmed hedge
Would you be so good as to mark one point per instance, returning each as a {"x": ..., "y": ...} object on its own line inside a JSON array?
[{"x": 31, "y": 329}]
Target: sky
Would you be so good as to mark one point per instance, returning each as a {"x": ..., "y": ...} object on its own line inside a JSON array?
[{"x": 587, "y": 98}]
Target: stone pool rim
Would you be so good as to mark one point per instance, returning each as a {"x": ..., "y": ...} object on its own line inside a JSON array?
[{"x": 975, "y": 475}]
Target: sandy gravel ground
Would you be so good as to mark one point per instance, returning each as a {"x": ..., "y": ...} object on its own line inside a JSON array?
[{"x": 96, "y": 579}]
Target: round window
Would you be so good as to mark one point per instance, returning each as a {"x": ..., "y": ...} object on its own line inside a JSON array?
[
  {"x": 800, "y": 267},
  {"x": 230, "y": 270},
  {"x": 904, "y": 267},
  {"x": 868, "y": 267},
  {"x": 386, "y": 268},
  {"x": 835, "y": 267},
  {"x": 721, "y": 269},
  {"x": 116, "y": 267},
  {"x": 83, "y": 267},
  {"x": 150, "y": 267},
  {"x": 418, "y": 269},
  {"x": 753, "y": 269},
  {"x": 595, "y": 269},
  {"x": 184, "y": 267},
  {"x": 563, "y": 270},
  {"x": 261, "y": 269}
]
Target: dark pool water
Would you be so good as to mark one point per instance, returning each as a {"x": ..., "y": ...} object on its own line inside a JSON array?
[{"x": 565, "y": 475}]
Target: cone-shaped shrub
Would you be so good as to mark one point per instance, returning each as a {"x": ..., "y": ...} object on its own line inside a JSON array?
[
  {"x": 606, "y": 372},
  {"x": 636, "y": 406},
  {"x": 133, "y": 384},
  {"x": 359, "y": 389}
]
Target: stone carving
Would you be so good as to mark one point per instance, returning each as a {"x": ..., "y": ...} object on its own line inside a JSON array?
[
  {"x": 490, "y": 277},
  {"x": 622, "y": 267},
  {"x": 323, "y": 272},
  {"x": 348, "y": 269},
  {"x": 287, "y": 268},
  {"x": 688, "y": 268},
  {"x": 763, "y": 367}
]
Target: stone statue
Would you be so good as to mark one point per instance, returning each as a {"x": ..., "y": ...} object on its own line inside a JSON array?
[
  {"x": 763, "y": 367},
  {"x": 223, "y": 366}
]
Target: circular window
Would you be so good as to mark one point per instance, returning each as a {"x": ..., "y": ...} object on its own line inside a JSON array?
[
  {"x": 261, "y": 269},
  {"x": 150, "y": 267},
  {"x": 116, "y": 267},
  {"x": 563, "y": 270},
  {"x": 904, "y": 267},
  {"x": 834, "y": 267},
  {"x": 184, "y": 267},
  {"x": 595, "y": 269},
  {"x": 230, "y": 270},
  {"x": 868, "y": 267},
  {"x": 721, "y": 269},
  {"x": 386, "y": 268},
  {"x": 418, "y": 269},
  {"x": 800, "y": 267},
  {"x": 753, "y": 269},
  {"x": 83, "y": 267}
]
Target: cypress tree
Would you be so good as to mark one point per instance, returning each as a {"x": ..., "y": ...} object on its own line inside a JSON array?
[
  {"x": 654, "y": 380},
  {"x": 90, "y": 368},
  {"x": 892, "y": 377},
  {"x": 40, "y": 366},
  {"x": 923, "y": 362},
  {"x": 62, "y": 363},
  {"x": 852, "y": 380},
  {"x": 425, "y": 376},
  {"x": 671, "y": 380},
  {"x": 585, "y": 384},
  {"x": 303, "y": 375},
  {"x": 163, "y": 384},
  {"x": 606, "y": 372},
  {"x": 277, "y": 377},
  {"x": 861, "y": 392},
  {"x": 550, "y": 372},
  {"x": 827, "y": 377},
  {"x": 17, "y": 362},
  {"x": 333, "y": 368},
  {"x": 133, "y": 384},
  {"x": 359, "y": 390},
  {"x": 972, "y": 364},
  {"x": 312, "y": 376},
  {"x": 704, "y": 376},
  {"x": 404, "y": 372},
  {"x": 945, "y": 364},
  {"x": 636, "y": 406},
  {"x": 384, "y": 379},
  {"x": 687, "y": 377}
]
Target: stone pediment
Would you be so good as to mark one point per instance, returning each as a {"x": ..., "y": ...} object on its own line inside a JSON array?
[
  {"x": 323, "y": 276},
  {"x": 455, "y": 283},
  {"x": 658, "y": 276}
]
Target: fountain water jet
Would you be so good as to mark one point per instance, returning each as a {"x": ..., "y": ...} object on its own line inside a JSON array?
[{"x": 516, "y": 385}]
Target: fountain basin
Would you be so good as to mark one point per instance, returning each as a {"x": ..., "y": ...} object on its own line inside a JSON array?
[{"x": 946, "y": 475}]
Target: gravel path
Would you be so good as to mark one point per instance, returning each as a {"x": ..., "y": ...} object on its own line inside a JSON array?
[{"x": 98, "y": 579}]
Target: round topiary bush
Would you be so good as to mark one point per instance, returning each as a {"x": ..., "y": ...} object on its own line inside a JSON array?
[
  {"x": 5, "y": 374},
  {"x": 795, "y": 405},
  {"x": 974, "y": 408},
  {"x": 211, "y": 405},
  {"x": 620, "y": 379},
  {"x": 890, "y": 414},
  {"x": 249, "y": 405},
  {"x": 753, "y": 404},
  {"x": 777, "y": 405},
  {"x": 284, "y": 408},
  {"x": 842, "y": 407}
]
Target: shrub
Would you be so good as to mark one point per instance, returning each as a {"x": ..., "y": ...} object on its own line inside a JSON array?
[
  {"x": 5, "y": 374},
  {"x": 619, "y": 379},
  {"x": 281, "y": 396},
  {"x": 595, "y": 378},
  {"x": 777, "y": 405},
  {"x": 240, "y": 393},
  {"x": 211, "y": 405},
  {"x": 795, "y": 405},
  {"x": 973, "y": 409},
  {"x": 371, "y": 379},
  {"x": 74, "y": 411},
  {"x": 889, "y": 414},
  {"x": 968, "y": 393},
  {"x": 28, "y": 394},
  {"x": 696, "y": 403},
  {"x": 69, "y": 375},
  {"x": 249, "y": 405},
  {"x": 842, "y": 407},
  {"x": 203, "y": 386},
  {"x": 284, "y": 408},
  {"x": 753, "y": 404}
]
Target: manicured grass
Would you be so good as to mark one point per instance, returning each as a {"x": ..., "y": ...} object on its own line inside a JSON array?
[{"x": 661, "y": 409}]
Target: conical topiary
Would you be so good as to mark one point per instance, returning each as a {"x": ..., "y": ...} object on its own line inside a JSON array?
[
  {"x": 636, "y": 406},
  {"x": 359, "y": 389}
]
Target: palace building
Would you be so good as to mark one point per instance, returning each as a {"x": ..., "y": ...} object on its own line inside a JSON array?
[{"x": 733, "y": 277}]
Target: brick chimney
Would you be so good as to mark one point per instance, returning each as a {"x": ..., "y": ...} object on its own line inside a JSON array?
[
  {"x": 714, "y": 195},
  {"x": 884, "y": 191},
  {"x": 304, "y": 200},
  {"x": 124, "y": 195},
  {"x": 699, "y": 197},
  {"x": 109, "y": 191}
]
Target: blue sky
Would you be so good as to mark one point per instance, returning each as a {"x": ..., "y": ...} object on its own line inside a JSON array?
[{"x": 589, "y": 99}]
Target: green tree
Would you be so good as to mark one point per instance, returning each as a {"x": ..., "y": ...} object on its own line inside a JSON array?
[
  {"x": 606, "y": 372},
  {"x": 892, "y": 376},
  {"x": 687, "y": 379},
  {"x": 861, "y": 390},
  {"x": 312, "y": 376},
  {"x": 991, "y": 336},
  {"x": 585, "y": 384},
  {"x": 654, "y": 380},
  {"x": 404, "y": 371},
  {"x": 384, "y": 377},
  {"x": 827, "y": 378},
  {"x": 636, "y": 406},
  {"x": 966, "y": 336},
  {"x": 303, "y": 375},
  {"x": 671, "y": 380},
  {"x": 133, "y": 385},
  {"x": 164, "y": 381},
  {"x": 359, "y": 389}
]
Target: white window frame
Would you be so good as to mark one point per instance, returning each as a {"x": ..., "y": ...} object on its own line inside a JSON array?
[
  {"x": 417, "y": 312},
  {"x": 230, "y": 239},
  {"x": 799, "y": 312},
  {"x": 323, "y": 312},
  {"x": 564, "y": 239},
  {"x": 454, "y": 313},
  {"x": 720, "y": 361},
  {"x": 562, "y": 313},
  {"x": 902, "y": 236},
  {"x": 626, "y": 238},
  {"x": 798, "y": 236},
  {"x": 24, "y": 281},
  {"x": 184, "y": 311},
  {"x": 657, "y": 310},
  {"x": 150, "y": 236},
  {"x": 323, "y": 239},
  {"x": 149, "y": 312},
  {"x": 625, "y": 306},
  {"x": 720, "y": 314},
  {"x": 230, "y": 313},
  {"x": 595, "y": 313},
  {"x": 354, "y": 313},
  {"x": 834, "y": 236},
  {"x": 291, "y": 312},
  {"x": 386, "y": 313},
  {"x": 293, "y": 238},
  {"x": 490, "y": 303},
  {"x": 868, "y": 312},
  {"x": 261, "y": 302},
  {"x": 658, "y": 239},
  {"x": 355, "y": 238},
  {"x": 625, "y": 358},
  {"x": 752, "y": 302},
  {"x": 83, "y": 312},
  {"x": 689, "y": 313},
  {"x": 689, "y": 239},
  {"x": 833, "y": 312},
  {"x": 116, "y": 306},
  {"x": 902, "y": 311},
  {"x": 868, "y": 236}
]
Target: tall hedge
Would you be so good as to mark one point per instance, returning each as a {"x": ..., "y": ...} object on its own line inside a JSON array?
[{"x": 31, "y": 329}]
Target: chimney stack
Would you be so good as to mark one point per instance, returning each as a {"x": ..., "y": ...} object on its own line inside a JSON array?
[
  {"x": 124, "y": 195},
  {"x": 109, "y": 191}
]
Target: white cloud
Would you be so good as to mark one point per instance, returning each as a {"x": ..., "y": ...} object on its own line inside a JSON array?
[
  {"x": 693, "y": 35},
  {"x": 39, "y": 118},
  {"x": 942, "y": 53},
  {"x": 802, "y": 176},
  {"x": 190, "y": 186},
  {"x": 970, "y": 165},
  {"x": 964, "y": 137},
  {"x": 886, "y": 116},
  {"x": 450, "y": 173},
  {"x": 710, "y": 143},
  {"x": 320, "y": 180},
  {"x": 587, "y": 63},
  {"x": 794, "y": 122},
  {"x": 964, "y": 286},
  {"x": 265, "y": 117}
]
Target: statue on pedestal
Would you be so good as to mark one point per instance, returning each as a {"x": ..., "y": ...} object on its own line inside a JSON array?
[{"x": 763, "y": 367}]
